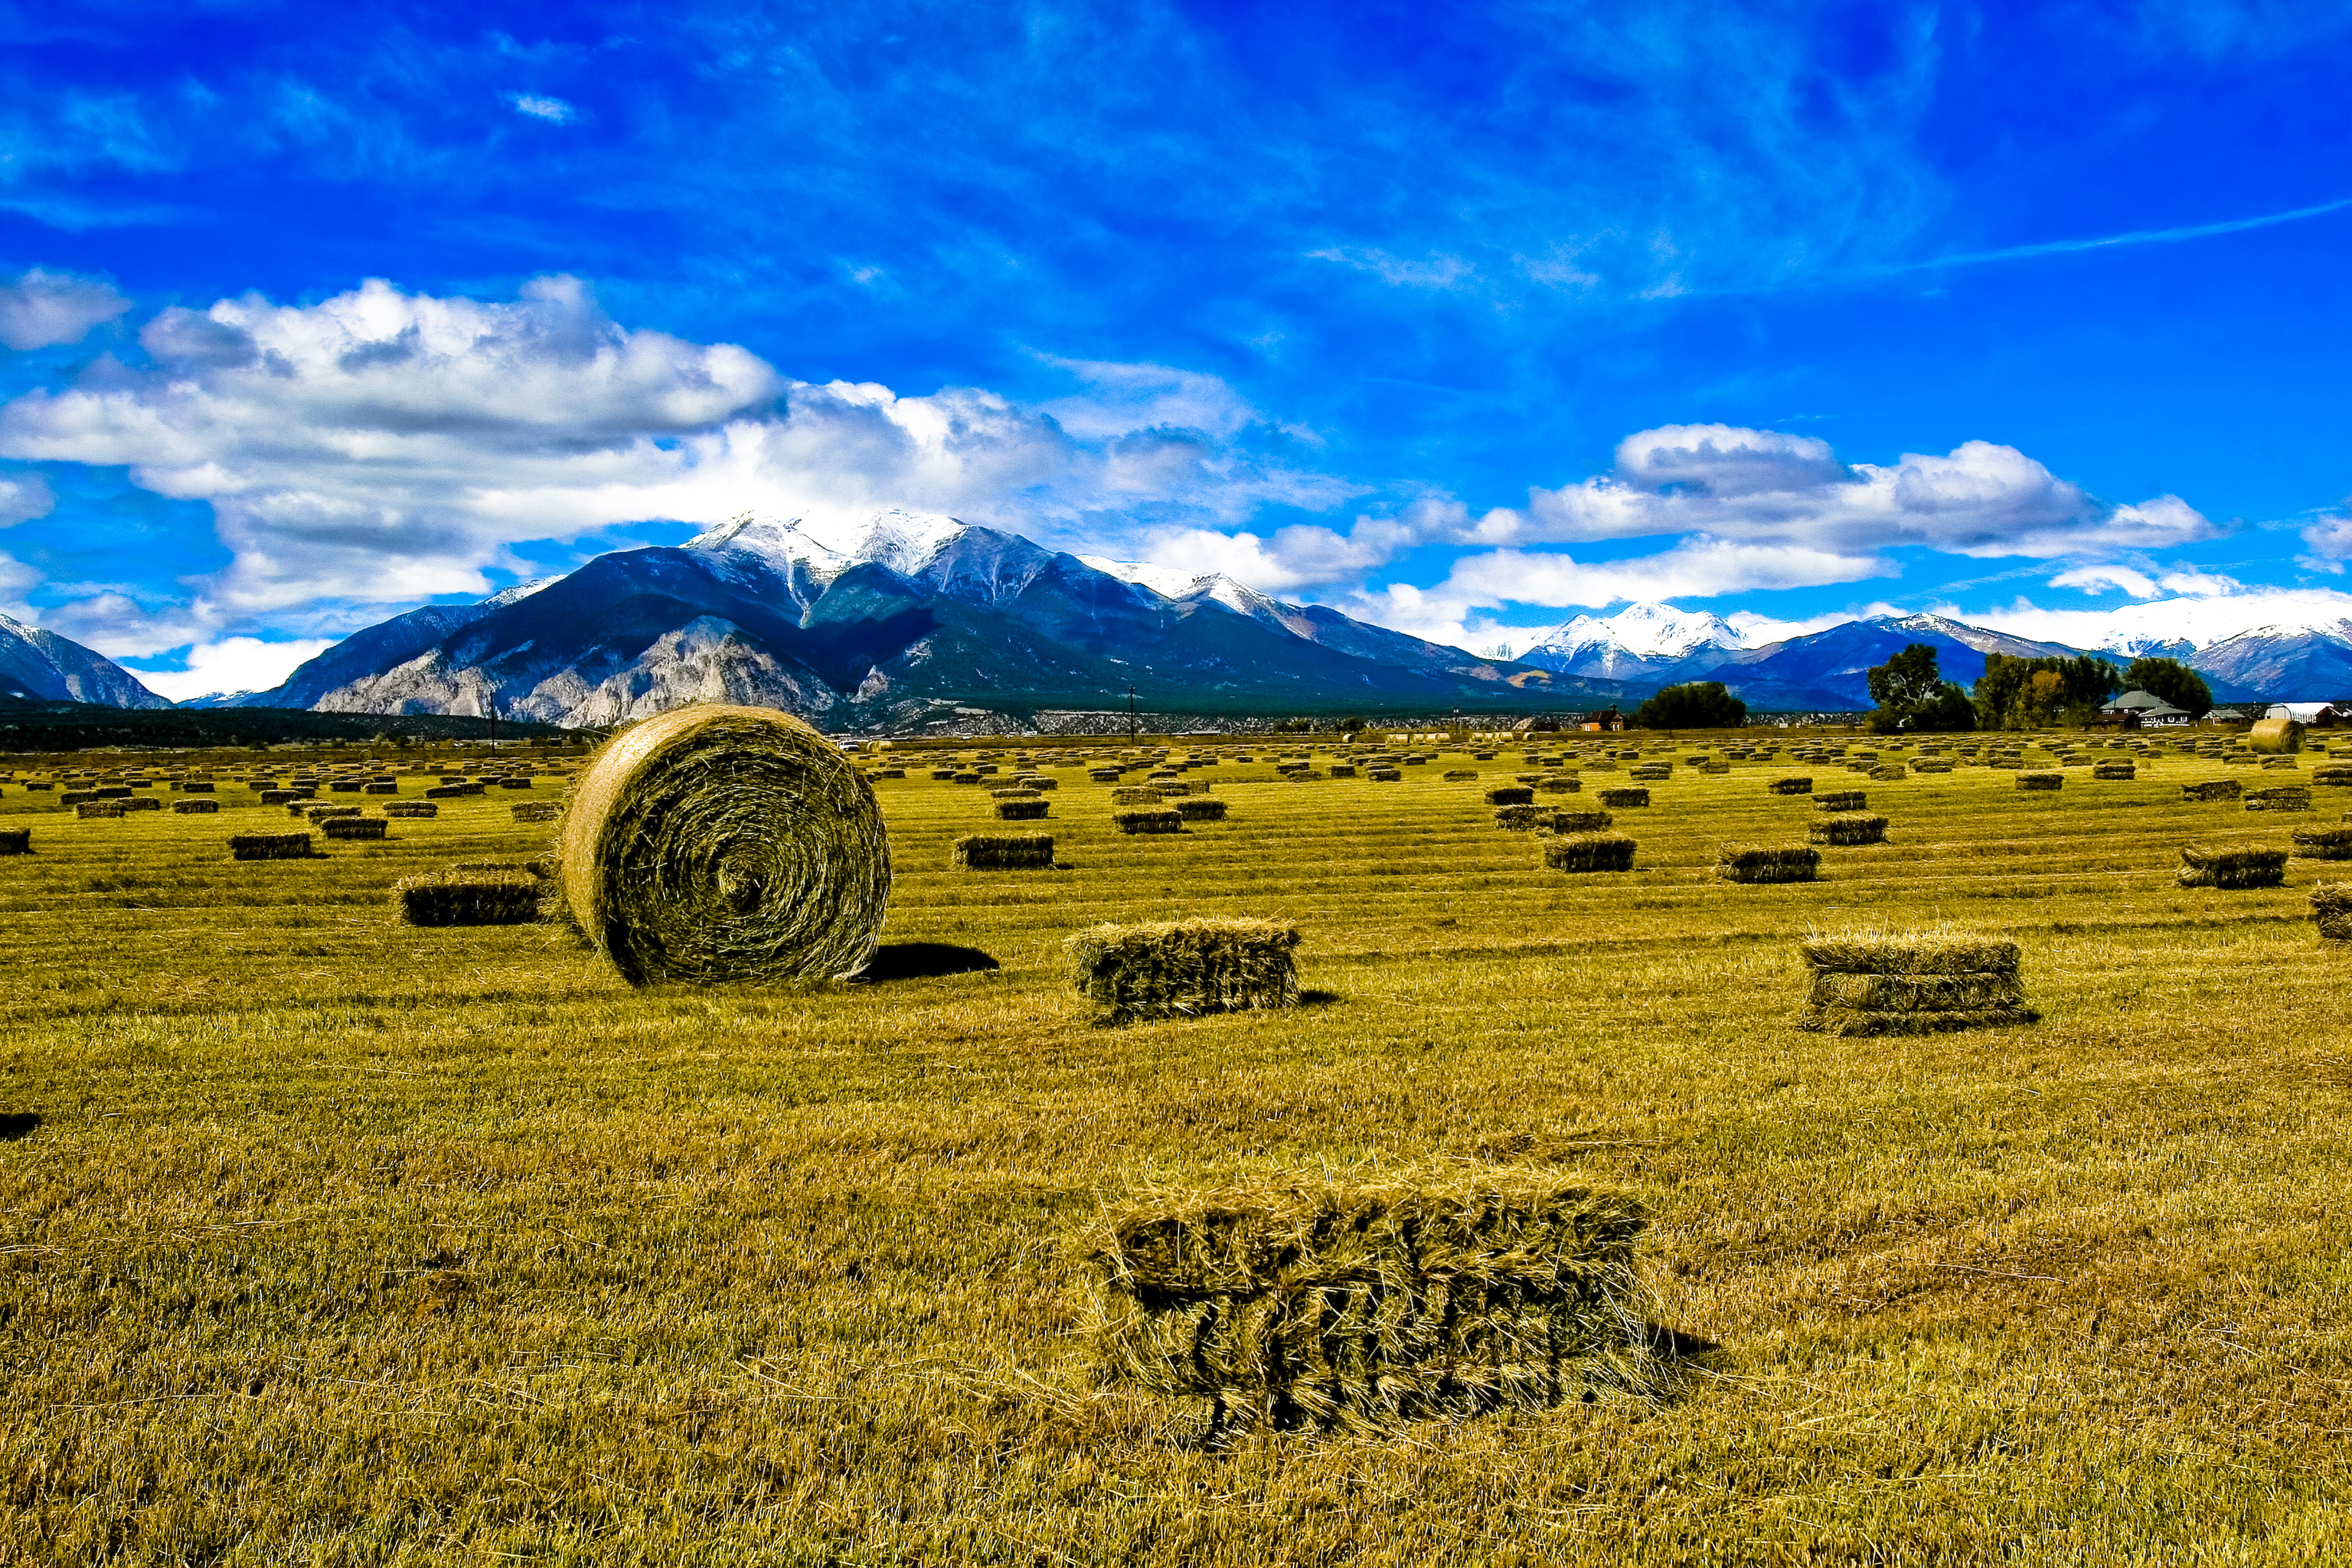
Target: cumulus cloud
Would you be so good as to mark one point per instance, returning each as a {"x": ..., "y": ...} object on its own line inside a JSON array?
[
  {"x": 1980, "y": 500},
  {"x": 2202, "y": 619},
  {"x": 39, "y": 309},
  {"x": 24, "y": 496},
  {"x": 232, "y": 664},
  {"x": 384, "y": 447},
  {"x": 2106, "y": 579}
]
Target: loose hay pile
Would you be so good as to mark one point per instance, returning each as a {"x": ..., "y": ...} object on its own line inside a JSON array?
[
  {"x": 2233, "y": 867},
  {"x": 2331, "y": 905},
  {"x": 1849, "y": 828},
  {"x": 1590, "y": 852},
  {"x": 2323, "y": 843},
  {"x": 714, "y": 844},
  {"x": 1294, "y": 1308},
  {"x": 270, "y": 847},
  {"x": 467, "y": 896},
  {"x": 1002, "y": 852},
  {"x": 1768, "y": 863},
  {"x": 1182, "y": 969},
  {"x": 1912, "y": 985}
]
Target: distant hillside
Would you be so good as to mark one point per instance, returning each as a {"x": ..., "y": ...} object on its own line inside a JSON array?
[{"x": 39, "y": 666}]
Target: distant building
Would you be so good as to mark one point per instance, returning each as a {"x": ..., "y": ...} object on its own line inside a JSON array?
[
  {"x": 2229, "y": 716},
  {"x": 2142, "y": 710},
  {"x": 1607, "y": 718},
  {"x": 2313, "y": 715}
]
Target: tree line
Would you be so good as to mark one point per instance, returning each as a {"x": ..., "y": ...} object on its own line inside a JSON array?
[{"x": 1913, "y": 697}]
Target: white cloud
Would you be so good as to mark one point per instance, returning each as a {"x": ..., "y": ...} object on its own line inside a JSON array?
[
  {"x": 383, "y": 447},
  {"x": 42, "y": 308},
  {"x": 1764, "y": 486},
  {"x": 16, "y": 579},
  {"x": 2330, "y": 542},
  {"x": 552, "y": 109},
  {"x": 24, "y": 496},
  {"x": 1698, "y": 568},
  {"x": 2102, "y": 579},
  {"x": 232, "y": 664}
]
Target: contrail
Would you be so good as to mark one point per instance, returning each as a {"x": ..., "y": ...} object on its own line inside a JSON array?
[{"x": 2138, "y": 236}]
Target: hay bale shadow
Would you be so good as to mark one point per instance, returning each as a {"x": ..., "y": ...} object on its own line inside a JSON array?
[
  {"x": 922, "y": 961},
  {"x": 15, "y": 1124},
  {"x": 1317, "y": 998}
]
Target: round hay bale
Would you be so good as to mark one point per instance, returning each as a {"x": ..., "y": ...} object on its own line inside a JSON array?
[
  {"x": 2275, "y": 736},
  {"x": 716, "y": 843}
]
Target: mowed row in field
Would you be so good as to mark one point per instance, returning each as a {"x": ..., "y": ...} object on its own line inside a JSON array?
[{"x": 345, "y": 1239}]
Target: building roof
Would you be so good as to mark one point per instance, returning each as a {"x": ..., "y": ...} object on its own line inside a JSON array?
[{"x": 2140, "y": 702}]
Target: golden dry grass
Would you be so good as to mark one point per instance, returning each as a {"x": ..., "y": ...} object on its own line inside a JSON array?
[{"x": 344, "y": 1241}]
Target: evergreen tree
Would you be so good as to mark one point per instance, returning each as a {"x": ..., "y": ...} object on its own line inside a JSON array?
[{"x": 2173, "y": 681}]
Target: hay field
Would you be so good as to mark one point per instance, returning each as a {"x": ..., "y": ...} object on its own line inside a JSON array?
[{"x": 345, "y": 1241}]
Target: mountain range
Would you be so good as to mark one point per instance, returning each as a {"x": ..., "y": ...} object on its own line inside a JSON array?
[{"x": 915, "y": 618}]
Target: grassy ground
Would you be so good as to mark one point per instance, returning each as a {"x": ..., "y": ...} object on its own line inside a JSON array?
[{"x": 340, "y": 1241}]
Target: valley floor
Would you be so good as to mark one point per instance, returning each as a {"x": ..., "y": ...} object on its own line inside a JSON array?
[{"x": 340, "y": 1241}]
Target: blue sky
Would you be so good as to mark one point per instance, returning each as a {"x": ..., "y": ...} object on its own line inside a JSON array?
[{"x": 1464, "y": 319}]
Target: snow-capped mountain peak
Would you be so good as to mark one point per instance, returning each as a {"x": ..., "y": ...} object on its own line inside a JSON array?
[
  {"x": 1644, "y": 630},
  {"x": 902, "y": 541},
  {"x": 1168, "y": 582}
]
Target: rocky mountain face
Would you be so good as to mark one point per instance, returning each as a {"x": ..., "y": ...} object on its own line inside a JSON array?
[
  {"x": 1828, "y": 671},
  {"x": 44, "y": 667},
  {"x": 2284, "y": 663},
  {"x": 916, "y": 614}
]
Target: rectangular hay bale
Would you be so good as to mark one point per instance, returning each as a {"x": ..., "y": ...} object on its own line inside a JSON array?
[
  {"x": 467, "y": 896},
  {"x": 1510, "y": 794},
  {"x": 2331, "y": 905},
  {"x": 270, "y": 847},
  {"x": 1182, "y": 969},
  {"x": 422, "y": 809},
  {"x": 1201, "y": 808},
  {"x": 1618, "y": 799},
  {"x": 1911, "y": 985},
  {"x": 1359, "y": 1308},
  {"x": 1842, "y": 800},
  {"x": 194, "y": 807},
  {"x": 15, "y": 841},
  {"x": 1029, "y": 810},
  {"x": 1759, "y": 863},
  {"x": 1164, "y": 819},
  {"x": 2213, "y": 789},
  {"x": 1135, "y": 797},
  {"x": 2281, "y": 797},
  {"x": 2041, "y": 781},
  {"x": 2323, "y": 842},
  {"x": 1850, "y": 828},
  {"x": 354, "y": 827},
  {"x": 1590, "y": 852},
  {"x": 1003, "y": 851},
  {"x": 1790, "y": 787},
  {"x": 1582, "y": 821},
  {"x": 2233, "y": 867}
]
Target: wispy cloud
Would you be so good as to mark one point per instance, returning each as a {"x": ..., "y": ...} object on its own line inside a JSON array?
[{"x": 552, "y": 109}]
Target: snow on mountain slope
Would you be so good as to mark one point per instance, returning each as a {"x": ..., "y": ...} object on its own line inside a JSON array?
[
  {"x": 48, "y": 667},
  {"x": 1632, "y": 643}
]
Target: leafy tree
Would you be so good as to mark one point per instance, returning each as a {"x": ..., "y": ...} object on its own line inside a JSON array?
[
  {"x": 1702, "y": 705},
  {"x": 1913, "y": 695},
  {"x": 2010, "y": 694},
  {"x": 2173, "y": 681}
]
